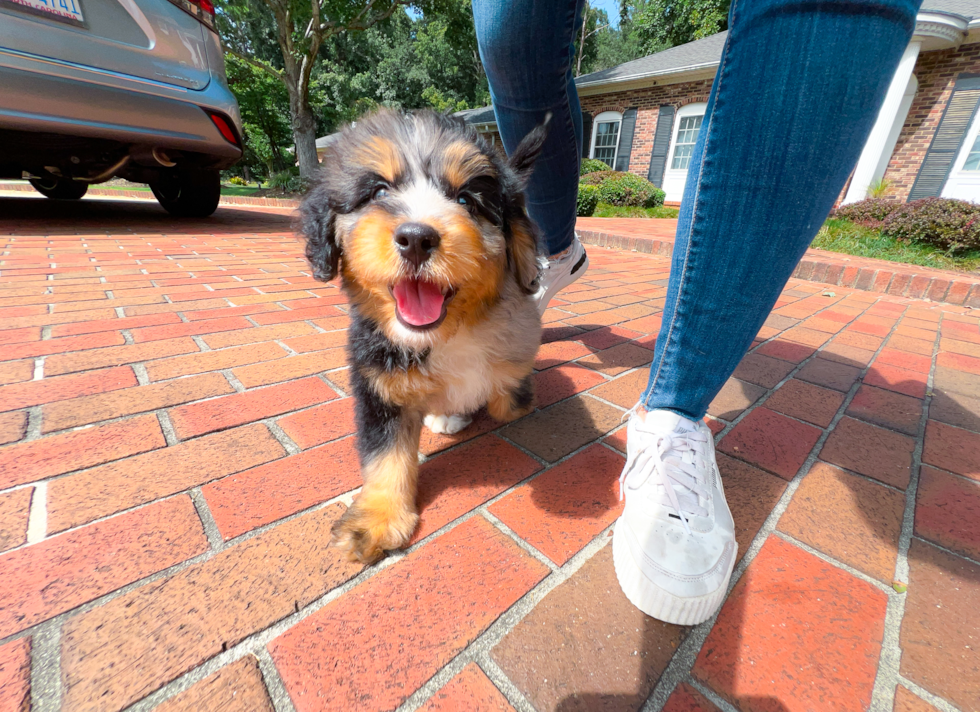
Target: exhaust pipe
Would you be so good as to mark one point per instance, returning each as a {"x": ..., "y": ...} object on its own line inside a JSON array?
[
  {"x": 162, "y": 158},
  {"x": 106, "y": 174}
]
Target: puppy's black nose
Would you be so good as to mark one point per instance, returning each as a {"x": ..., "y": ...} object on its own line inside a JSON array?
[{"x": 416, "y": 242}]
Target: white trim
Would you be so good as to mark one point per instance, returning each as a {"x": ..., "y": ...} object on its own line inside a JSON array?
[
  {"x": 675, "y": 178},
  {"x": 655, "y": 73},
  {"x": 939, "y": 30},
  {"x": 606, "y": 117},
  {"x": 934, "y": 29},
  {"x": 688, "y": 110},
  {"x": 877, "y": 144},
  {"x": 964, "y": 185}
]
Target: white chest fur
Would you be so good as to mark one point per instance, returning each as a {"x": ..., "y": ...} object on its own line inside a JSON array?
[{"x": 464, "y": 365}]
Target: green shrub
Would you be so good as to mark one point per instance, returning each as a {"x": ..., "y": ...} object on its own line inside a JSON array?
[
  {"x": 630, "y": 190},
  {"x": 588, "y": 199},
  {"x": 591, "y": 165},
  {"x": 868, "y": 212},
  {"x": 951, "y": 225},
  {"x": 624, "y": 189},
  {"x": 287, "y": 182},
  {"x": 597, "y": 177},
  {"x": 237, "y": 180}
]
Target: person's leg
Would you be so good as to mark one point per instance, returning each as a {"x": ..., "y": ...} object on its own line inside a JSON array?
[
  {"x": 527, "y": 49},
  {"x": 794, "y": 99}
]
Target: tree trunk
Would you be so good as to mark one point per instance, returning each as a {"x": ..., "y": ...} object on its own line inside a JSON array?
[
  {"x": 304, "y": 135},
  {"x": 581, "y": 44}
]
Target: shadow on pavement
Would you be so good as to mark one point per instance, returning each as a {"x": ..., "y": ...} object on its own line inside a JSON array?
[
  {"x": 878, "y": 532},
  {"x": 41, "y": 216}
]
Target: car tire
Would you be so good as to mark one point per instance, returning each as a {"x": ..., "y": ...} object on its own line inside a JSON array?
[
  {"x": 59, "y": 188},
  {"x": 189, "y": 194}
]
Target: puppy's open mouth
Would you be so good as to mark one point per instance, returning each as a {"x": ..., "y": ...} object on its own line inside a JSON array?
[{"x": 420, "y": 304}]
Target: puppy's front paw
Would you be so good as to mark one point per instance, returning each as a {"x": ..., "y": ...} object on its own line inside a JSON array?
[
  {"x": 367, "y": 530},
  {"x": 447, "y": 424}
]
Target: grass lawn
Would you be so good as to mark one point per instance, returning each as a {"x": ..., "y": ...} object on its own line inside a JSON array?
[
  {"x": 225, "y": 189},
  {"x": 604, "y": 210},
  {"x": 104, "y": 186},
  {"x": 238, "y": 189},
  {"x": 839, "y": 235}
]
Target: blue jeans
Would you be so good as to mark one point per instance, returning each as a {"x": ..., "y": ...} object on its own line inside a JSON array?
[
  {"x": 527, "y": 50},
  {"x": 798, "y": 89}
]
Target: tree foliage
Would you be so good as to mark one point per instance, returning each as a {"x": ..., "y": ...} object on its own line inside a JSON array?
[
  {"x": 302, "y": 68},
  {"x": 425, "y": 57},
  {"x": 299, "y": 28},
  {"x": 661, "y": 24},
  {"x": 264, "y": 104}
]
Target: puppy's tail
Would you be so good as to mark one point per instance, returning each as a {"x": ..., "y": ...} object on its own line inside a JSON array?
[{"x": 527, "y": 152}]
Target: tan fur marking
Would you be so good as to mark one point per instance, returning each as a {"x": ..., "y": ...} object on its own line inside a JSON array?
[
  {"x": 508, "y": 376},
  {"x": 462, "y": 162},
  {"x": 465, "y": 262},
  {"x": 405, "y": 388},
  {"x": 501, "y": 408},
  {"x": 381, "y": 155},
  {"x": 371, "y": 264},
  {"x": 383, "y": 515},
  {"x": 523, "y": 254}
]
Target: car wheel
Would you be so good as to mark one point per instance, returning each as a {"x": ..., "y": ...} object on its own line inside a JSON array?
[
  {"x": 189, "y": 194},
  {"x": 59, "y": 188}
]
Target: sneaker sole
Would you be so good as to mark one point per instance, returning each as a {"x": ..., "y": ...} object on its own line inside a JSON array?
[
  {"x": 655, "y": 601},
  {"x": 583, "y": 266}
]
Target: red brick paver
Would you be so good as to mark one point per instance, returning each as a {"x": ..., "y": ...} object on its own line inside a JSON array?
[{"x": 177, "y": 438}]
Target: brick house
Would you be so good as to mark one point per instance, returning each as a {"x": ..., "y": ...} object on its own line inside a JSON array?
[{"x": 644, "y": 116}]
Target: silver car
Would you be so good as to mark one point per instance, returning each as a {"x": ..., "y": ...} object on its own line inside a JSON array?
[{"x": 94, "y": 89}]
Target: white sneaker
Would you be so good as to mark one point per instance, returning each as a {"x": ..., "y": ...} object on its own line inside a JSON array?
[
  {"x": 558, "y": 273},
  {"x": 674, "y": 546}
]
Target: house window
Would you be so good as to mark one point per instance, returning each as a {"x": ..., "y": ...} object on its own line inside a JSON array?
[
  {"x": 605, "y": 136},
  {"x": 973, "y": 159},
  {"x": 687, "y": 136}
]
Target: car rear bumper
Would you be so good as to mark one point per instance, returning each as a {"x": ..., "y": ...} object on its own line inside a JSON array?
[{"x": 52, "y": 97}]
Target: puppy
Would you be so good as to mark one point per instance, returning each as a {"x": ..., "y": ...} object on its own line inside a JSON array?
[{"x": 426, "y": 225}]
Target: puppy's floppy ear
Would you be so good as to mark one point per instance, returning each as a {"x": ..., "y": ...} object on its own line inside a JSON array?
[
  {"x": 316, "y": 224},
  {"x": 522, "y": 253},
  {"x": 522, "y": 160}
]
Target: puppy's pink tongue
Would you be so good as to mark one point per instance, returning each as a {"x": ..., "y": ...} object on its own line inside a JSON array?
[{"x": 418, "y": 302}]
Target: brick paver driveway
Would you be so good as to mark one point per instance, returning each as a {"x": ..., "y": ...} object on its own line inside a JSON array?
[{"x": 179, "y": 440}]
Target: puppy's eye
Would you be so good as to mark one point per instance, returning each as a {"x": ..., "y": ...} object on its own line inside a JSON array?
[
  {"x": 379, "y": 192},
  {"x": 467, "y": 200}
]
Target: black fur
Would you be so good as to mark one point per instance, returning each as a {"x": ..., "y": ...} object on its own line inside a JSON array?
[
  {"x": 523, "y": 395},
  {"x": 368, "y": 346},
  {"x": 316, "y": 225},
  {"x": 527, "y": 152},
  {"x": 377, "y": 421}
]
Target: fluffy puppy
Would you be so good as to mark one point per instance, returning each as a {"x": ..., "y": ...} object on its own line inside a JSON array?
[{"x": 425, "y": 223}]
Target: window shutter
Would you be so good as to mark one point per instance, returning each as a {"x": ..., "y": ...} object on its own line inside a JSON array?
[
  {"x": 949, "y": 137},
  {"x": 661, "y": 145},
  {"x": 586, "y": 133},
  {"x": 626, "y": 140}
]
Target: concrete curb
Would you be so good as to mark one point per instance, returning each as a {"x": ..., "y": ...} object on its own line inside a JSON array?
[{"x": 870, "y": 275}]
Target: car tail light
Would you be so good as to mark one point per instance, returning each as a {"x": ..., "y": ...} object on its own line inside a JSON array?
[
  {"x": 202, "y": 10},
  {"x": 224, "y": 126}
]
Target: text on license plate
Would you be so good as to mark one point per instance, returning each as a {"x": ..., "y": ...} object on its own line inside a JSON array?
[{"x": 63, "y": 9}]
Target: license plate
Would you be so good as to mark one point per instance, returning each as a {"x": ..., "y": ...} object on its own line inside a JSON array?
[{"x": 69, "y": 11}]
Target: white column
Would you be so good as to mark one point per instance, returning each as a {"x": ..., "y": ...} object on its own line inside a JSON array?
[{"x": 878, "y": 140}]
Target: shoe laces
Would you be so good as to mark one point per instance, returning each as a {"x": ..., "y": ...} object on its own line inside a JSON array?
[{"x": 672, "y": 459}]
